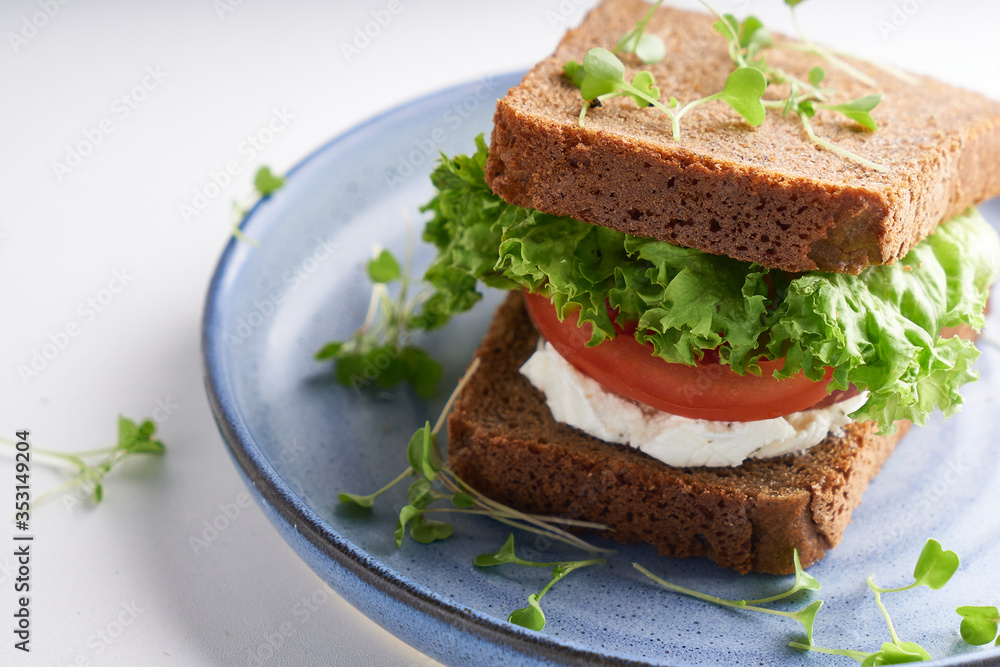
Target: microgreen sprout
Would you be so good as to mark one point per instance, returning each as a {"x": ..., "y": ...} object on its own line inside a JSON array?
[
  {"x": 825, "y": 53},
  {"x": 429, "y": 468},
  {"x": 649, "y": 48},
  {"x": 133, "y": 439},
  {"x": 532, "y": 616},
  {"x": 934, "y": 569},
  {"x": 835, "y": 57},
  {"x": 806, "y": 616},
  {"x": 265, "y": 184},
  {"x": 602, "y": 76},
  {"x": 979, "y": 624},
  {"x": 379, "y": 351}
]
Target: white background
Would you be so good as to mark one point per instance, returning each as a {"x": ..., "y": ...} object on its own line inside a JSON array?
[{"x": 121, "y": 584}]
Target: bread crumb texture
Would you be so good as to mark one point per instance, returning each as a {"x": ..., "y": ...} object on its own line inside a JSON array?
[
  {"x": 504, "y": 442},
  {"x": 764, "y": 194}
]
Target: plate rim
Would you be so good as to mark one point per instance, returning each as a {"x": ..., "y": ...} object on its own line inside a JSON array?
[
  {"x": 268, "y": 487},
  {"x": 265, "y": 481}
]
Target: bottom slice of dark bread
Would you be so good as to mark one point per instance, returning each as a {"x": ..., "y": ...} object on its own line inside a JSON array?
[{"x": 505, "y": 443}]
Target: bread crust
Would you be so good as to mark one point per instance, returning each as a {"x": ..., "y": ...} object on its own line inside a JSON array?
[
  {"x": 504, "y": 442},
  {"x": 763, "y": 194}
]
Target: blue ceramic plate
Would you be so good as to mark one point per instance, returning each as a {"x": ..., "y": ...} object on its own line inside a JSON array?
[{"x": 298, "y": 438}]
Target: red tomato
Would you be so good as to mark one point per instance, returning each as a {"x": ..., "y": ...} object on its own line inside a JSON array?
[{"x": 709, "y": 390}]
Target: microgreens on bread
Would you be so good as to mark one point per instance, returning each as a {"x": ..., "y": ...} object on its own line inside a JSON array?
[
  {"x": 379, "y": 351},
  {"x": 602, "y": 76},
  {"x": 92, "y": 466},
  {"x": 428, "y": 467},
  {"x": 532, "y": 616},
  {"x": 647, "y": 47},
  {"x": 834, "y": 57},
  {"x": 748, "y": 39}
]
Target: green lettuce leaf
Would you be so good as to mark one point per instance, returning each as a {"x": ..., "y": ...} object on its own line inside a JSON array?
[{"x": 878, "y": 330}]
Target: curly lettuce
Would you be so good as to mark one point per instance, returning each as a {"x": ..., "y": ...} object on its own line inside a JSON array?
[{"x": 879, "y": 330}]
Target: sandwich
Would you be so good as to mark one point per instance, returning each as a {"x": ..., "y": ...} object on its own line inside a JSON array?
[{"x": 711, "y": 343}]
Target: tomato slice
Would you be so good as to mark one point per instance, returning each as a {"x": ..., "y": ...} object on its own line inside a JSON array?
[{"x": 708, "y": 390}]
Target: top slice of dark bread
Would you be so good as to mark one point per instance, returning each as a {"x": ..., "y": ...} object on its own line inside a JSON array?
[{"x": 763, "y": 194}]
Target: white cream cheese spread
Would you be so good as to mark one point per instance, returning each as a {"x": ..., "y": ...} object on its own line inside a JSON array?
[{"x": 577, "y": 400}]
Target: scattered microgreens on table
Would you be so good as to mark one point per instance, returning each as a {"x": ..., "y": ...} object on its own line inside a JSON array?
[
  {"x": 133, "y": 439},
  {"x": 427, "y": 466},
  {"x": 379, "y": 350},
  {"x": 265, "y": 184},
  {"x": 603, "y": 76},
  {"x": 532, "y": 616}
]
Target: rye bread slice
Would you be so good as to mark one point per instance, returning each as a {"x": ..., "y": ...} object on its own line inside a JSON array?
[
  {"x": 763, "y": 194},
  {"x": 504, "y": 442}
]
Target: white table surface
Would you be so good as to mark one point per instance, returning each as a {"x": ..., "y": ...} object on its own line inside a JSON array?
[{"x": 121, "y": 584}]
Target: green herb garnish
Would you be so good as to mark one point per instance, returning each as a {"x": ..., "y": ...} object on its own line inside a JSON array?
[
  {"x": 94, "y": 465},
  {"x": 803, "y": 581},
  {"x": 602, "y": 76},
  {"x": 532, "y": 616},
  {"x": 379, "y": 351},
  {"x": 935, "y": 568},
  {"x": 979, "y": 624},
  {"x": 649, "y": 48},
  {"x": 265, "y": 184},
  {"x": 428, "y": 467}
]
